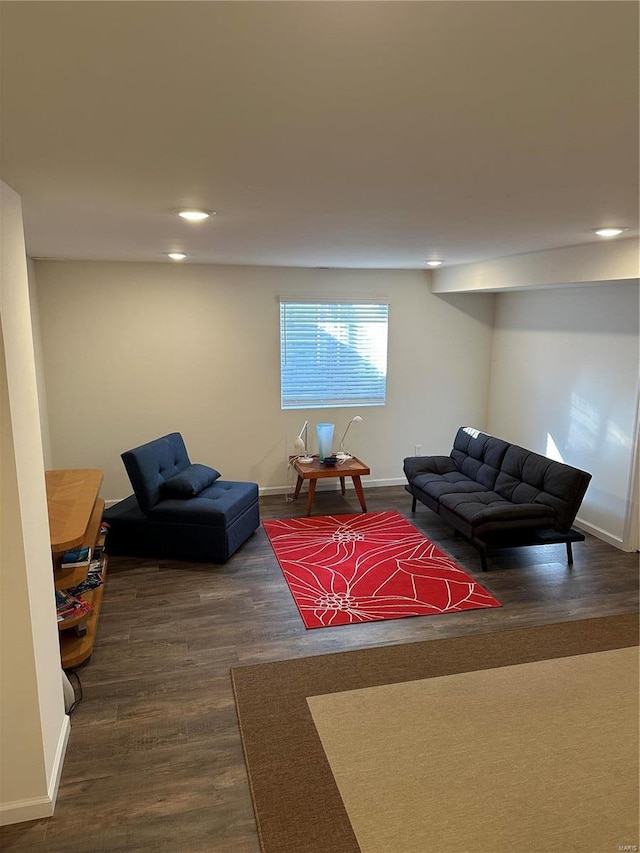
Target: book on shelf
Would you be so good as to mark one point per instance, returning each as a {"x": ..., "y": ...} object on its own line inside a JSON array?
[
  {"x": 70, "y": 606},
  {"x": 96, "y": 567},
  {"x": 92, "y": 581},
  {"x": 75, "y": 557}
]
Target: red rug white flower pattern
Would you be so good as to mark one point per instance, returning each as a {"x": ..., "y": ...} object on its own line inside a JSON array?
[{"x": 344, "y": 569}]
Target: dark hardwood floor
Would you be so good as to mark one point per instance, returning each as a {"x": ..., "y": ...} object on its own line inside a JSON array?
[{"x": 154, "y": 761}]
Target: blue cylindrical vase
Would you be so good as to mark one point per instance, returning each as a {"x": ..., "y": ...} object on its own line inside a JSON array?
[{"x": 325, "y": 439}]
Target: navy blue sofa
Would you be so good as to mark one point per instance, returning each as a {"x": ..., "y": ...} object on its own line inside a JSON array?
[
  {"x": 179, "y": 510},
  {"x": 499, "y": 495}
]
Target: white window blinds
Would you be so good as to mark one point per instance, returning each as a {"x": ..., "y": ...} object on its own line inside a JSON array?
[{"x": 333, "y": 354}]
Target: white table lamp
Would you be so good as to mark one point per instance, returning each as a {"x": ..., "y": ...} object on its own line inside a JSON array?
[
  {"x": 343, "y": 454},
  {"x": 300, "y": 445}
]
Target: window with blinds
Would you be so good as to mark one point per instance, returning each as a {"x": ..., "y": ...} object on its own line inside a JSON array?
[{"x": 333, "y": 354}]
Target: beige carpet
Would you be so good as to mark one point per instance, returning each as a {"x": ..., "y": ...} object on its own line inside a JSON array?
[
  {"x": 520, "y": 739},
  {"x": 540, "y": 756}
]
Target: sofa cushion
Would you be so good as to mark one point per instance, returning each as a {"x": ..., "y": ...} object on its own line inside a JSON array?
[
  {"x": 190, "y": 481},
  {"x": 216, "y": 506},
  {"x": 486, "y": 511},
  {"x": 528, "y": 476},
  {"x": 437, "y": 485},
  {"x": 479, "y": 455},
  {"x": 150, "y": 465}
]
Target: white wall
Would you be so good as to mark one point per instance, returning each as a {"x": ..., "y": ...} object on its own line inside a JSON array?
[
  {"x": 34, "y": 729},
  {"x": 132, "y": 351},
  {"x": 564, "y": 382},
  {"x": 596, "y": 262}
]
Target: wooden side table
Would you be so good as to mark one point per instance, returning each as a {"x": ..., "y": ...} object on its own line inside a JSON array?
[{"x": 315, "y": 470}]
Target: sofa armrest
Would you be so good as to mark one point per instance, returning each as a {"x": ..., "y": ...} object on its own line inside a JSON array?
[{"x": 414, "y": 465}]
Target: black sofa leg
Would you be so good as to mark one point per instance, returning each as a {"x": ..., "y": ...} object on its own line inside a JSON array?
[
  {"x": 413, "y": 505},
  {"x": 482, "y": 550},
  {"x": 569, "y": 554}
]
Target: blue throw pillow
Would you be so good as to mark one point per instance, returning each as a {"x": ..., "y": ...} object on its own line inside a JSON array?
[{"x": 190, "y": 481}]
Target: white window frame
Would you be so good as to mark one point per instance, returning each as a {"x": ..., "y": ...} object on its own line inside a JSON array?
[{"x": 339, "y": 348}]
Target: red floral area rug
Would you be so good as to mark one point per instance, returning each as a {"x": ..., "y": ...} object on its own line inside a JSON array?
[{"x": 345, "y": 569}]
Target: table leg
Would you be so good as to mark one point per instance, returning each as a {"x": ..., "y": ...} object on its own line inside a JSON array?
[
  {"x": 342, "y": 484},
  {"x": 359, "y": 491},
  {"x": 312, "y": 493},
  {"x": 298, "y": 487}
]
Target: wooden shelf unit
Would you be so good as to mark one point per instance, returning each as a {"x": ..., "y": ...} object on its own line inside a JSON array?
[{"x": 75, "y": 513}]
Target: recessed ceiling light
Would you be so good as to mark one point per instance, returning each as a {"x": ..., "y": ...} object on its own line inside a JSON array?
[
  {"x": 196, "y": 215},
  {"x": 609, "y": 232},
  {"x": 177, "y": 256},
  {"x": 434, "y": 263}
]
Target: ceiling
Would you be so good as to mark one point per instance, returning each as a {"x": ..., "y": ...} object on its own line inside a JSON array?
[{"x": 324, "y": 134}]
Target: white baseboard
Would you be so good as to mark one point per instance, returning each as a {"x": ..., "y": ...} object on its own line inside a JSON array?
[
  {"x": 63, "y": 740},
  {"x": 599, "y": 533},
  {"x": 37, "y": 808},
  {"x": 22, "y": 810}
]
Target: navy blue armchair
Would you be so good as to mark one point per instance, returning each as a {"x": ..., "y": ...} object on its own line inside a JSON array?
[{"x": 179, "y": 510}]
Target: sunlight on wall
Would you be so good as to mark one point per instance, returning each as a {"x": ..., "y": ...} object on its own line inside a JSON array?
[
  {"x": 615, "y": 435},
  {"x": 552, "y": 449},
  {"x": 589, "y": 430},
  {"x": 585, "y": 425}
]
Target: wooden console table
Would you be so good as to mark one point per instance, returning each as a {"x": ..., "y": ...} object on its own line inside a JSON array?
[
  {"x": 75, "y": 513},
  {"x": 316, "y": 470}
]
